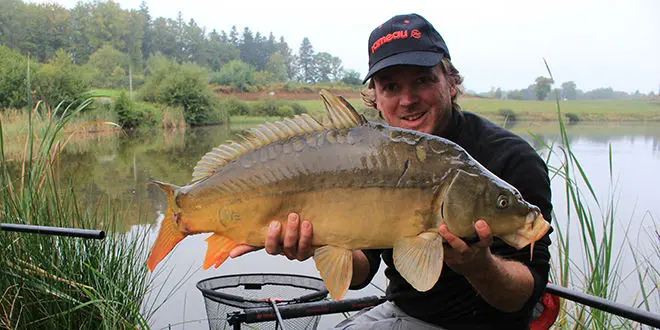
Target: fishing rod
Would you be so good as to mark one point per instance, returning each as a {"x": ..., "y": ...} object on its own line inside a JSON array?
[
  {"x": 631, "y": 313},
  {"x": 263, "y": 314},
  {"x": 55, "y": 231}
]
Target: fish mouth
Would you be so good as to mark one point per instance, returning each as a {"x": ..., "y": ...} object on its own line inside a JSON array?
[{"x": 539, "y": 227}]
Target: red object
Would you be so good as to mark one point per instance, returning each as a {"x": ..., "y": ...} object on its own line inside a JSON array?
[{"x": 549, "y": 315}]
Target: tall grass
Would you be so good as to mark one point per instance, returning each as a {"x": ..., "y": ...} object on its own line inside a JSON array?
[
  {"x": 588, "y": 259},
  {"x": 51, "y": 282}
]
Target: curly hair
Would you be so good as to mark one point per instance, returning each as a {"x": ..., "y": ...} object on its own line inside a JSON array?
[{"x": 451, "y": 74}]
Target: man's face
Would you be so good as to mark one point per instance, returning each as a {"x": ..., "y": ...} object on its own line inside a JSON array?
[{"x": 414, "y": 97}]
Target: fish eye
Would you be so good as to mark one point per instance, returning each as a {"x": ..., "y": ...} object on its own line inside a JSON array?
[{"x": 502, "y": 201}]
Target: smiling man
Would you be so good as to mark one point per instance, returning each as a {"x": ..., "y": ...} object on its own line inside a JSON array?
[{"x": 487, "y": 284}]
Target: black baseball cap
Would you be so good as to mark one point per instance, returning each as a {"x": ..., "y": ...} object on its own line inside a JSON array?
[{"x": 405, "y": 40}]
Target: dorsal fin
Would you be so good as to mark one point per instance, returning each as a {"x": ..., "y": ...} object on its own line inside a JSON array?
[
  {"x": 340, "y": 112},
  {"x": 340, "y": 115}
]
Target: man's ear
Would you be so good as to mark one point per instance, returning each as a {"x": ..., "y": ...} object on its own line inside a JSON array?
[{"x": 452, "y": 90}]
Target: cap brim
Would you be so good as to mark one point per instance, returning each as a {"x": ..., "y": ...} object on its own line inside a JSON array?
[{"x": 419, "y": 58}]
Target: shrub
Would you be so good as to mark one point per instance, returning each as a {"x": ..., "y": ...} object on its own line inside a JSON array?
[
  {"x": 235, "y": 107},
  {"x": 182, "y": 85},
  {"x": 60, "y": 80},
  {"x": 13, "y": 79},
  {"x": 572, "y": 118},
  {"x": 285, "y": 110},
  {"x": 235, "y": 73},
  {"x": 508, "y": 114},
  {"x": 127, "y": 116},
  {"x": 298, "y": 108},
  {"x": 135, "y": 114}
]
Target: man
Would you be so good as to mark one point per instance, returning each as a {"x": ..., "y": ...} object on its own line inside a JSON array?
[{"x": 487, "y": 284}]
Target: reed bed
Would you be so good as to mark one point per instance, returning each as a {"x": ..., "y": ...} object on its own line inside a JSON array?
[
  {"x": 53, "y": 282},
  {"x": 587, "y": 256}
]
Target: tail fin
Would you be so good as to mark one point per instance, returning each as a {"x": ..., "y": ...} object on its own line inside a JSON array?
[{"x": 169, "y": 235}]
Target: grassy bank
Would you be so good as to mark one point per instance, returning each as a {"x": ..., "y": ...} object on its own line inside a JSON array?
[{"x": 54, "y": 282}]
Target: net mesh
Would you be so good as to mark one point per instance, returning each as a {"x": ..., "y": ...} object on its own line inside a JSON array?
[{"x": 234, "y": 293}]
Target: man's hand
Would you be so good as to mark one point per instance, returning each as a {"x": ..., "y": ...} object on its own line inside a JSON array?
[
  {"x": 296, "y": 244},
  {"x": 504, "y": 284},
  {"x": 468, "y": 259}
]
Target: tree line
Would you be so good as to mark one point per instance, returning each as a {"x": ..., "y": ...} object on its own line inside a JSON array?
[
  {"x": 542, "y": 89},
  {"x": 103, "y": 32}
]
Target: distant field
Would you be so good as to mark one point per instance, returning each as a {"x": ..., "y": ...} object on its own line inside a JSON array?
[
  {"x": 606, "y": 110},
  {"x": 593, "y": 110},
  {"x": 584, "y": 110}
]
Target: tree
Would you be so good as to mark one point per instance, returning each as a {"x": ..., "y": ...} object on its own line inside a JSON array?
[
  {"x": 515, "y": 95},
  {"x": 351, "y": 77},
  {"x": 306, "y": 61},
  {"x": 289, "y": 60},
  {"x": 569, "y": 90},
  {"x": 12, "y": 29},
  {"x": 184, "y": 85},
  {"x": 277, "y": 66},
  {"x": 233, "y": 36},
  {"x": 498, "y": 93},
  {"x": 147, "y": 30},
  {"x": 194, "y": 44},
  {"x": 323, "y": 67},
  {"x": 219, "y": 53},
  {"x": 542, "y": 87},
  {"x": 165, "y": 38},
  {"x": 108, "y": 67},
  {"x": 138, "y": 23},
  {"x": 236, "y": 73},
  {"x": 336, "y": 68}
]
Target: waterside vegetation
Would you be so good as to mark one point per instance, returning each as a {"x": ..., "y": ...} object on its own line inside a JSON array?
[{"x": 55, "y": 282}]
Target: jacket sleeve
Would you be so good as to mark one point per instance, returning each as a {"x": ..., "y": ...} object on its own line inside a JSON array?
[
  {"x": 374, "y": 262},
  {"x": 525, "y": 170}
]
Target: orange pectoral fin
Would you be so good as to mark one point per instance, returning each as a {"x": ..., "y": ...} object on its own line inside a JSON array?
[
  {"x": 218, "y": 251},
  {"x": 168, "y": 237}
]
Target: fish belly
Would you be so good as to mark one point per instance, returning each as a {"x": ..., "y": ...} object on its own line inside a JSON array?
[{"x": 351, "y": 218}]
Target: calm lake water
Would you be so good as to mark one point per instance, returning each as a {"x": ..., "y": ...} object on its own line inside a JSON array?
[{"x": 121, "y": 167}]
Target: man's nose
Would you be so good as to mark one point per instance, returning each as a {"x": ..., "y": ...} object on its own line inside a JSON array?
[{"x": 408, "y": 96}]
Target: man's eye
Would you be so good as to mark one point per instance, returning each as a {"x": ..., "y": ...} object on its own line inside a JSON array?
[
  {"x": 425, "y": 80},
  {"x": 389, "y": 87}
]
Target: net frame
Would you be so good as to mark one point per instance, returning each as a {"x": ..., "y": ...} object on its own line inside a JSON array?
[{"x": 294, "y": 288}]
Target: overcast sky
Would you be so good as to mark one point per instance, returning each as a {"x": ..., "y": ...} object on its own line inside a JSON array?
[{"x": 596, "y": 43}]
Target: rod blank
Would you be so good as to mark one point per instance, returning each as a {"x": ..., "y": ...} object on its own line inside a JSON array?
[
  {"x": 56, "y": 231},
  {"x": 631, "y": 313}
]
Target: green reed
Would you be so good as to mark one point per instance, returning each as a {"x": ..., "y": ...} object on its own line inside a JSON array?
[
  {"x": 50, "y": 282},
  {"x": 588, "y": 259}
]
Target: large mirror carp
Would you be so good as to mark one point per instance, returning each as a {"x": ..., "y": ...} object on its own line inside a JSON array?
[{"x": 362, "y": 184}]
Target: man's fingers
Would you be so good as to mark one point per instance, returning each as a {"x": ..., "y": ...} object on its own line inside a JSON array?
[
  {"x": 484, "y": 232},
  {"x": 291, "y": 236},
  {"x": 241, "y": 250},
  {"x": 272, "y": 243},
  {"x": 454, "y": 241},
  {"x": 305, "y": 243}
]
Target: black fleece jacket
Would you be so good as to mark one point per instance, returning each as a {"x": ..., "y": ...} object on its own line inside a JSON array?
[{"x": 453, "y": 303}]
